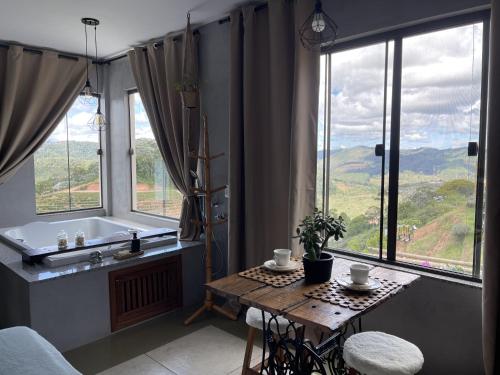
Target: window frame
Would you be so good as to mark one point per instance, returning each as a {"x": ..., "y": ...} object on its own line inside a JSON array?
[
  {"x": 132, "y": 157},
  {"x": 396, "y": 36},
  {"x": 99, "y": 154}
]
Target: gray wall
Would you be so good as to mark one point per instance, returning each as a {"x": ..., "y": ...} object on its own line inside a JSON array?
[
  {"x": 214, "y": 70},
  {"x": 442, "y": 318}
]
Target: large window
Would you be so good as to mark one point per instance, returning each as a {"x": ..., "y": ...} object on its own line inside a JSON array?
[
  {"x": 68, "y": 166},
  {"x": 401, "y": 139},
  {"x": 153, "y": 191}
]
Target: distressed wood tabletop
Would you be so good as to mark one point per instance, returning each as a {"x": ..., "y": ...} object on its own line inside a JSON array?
[{"x": 292, "y": 303}]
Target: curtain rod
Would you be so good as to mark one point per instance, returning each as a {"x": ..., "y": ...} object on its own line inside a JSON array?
[
  {"x": 40, "y": 51},
  {"x": 159, "y": 43},
  {"x": 228, "y": 18},
  {"x": 220, "y": 21}
]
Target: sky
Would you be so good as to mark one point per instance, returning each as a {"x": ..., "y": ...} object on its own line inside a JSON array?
[
  {"x": 142, "y": 126},
  {"x": 78, "y": 129},
  {"x": 440, "y": 91},
  {"x": 80, "y": 114}
]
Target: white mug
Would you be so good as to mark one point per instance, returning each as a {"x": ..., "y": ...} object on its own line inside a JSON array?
[
  {"x": 359, "y": 273},
  {"x": 282, "y": 256}
]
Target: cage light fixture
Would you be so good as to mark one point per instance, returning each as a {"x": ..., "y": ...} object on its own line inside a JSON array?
[
  {"x": 319, "y": 30},
  {"x": 98, "y": 120},
  {"x": 87, "y": 98}
]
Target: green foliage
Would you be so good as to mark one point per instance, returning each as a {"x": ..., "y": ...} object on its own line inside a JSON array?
[
  {"x": 457, "y": 187},
  {"x": 315, "y": 231},
  {"x": 149, "y": 161},
  {"x": 459, "y": 232},
  {"x": 358, "y": 225}
]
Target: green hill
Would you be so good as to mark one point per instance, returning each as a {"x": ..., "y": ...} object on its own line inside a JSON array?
[{"x": 425, "y": 161}]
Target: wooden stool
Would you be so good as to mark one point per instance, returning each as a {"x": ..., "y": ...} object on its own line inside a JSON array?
[
  {"x": 377, "y": 353},
  {"x": 254, "y": 321}
]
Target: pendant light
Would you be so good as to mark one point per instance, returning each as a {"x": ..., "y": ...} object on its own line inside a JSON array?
[
  {"x": 98, "y": 121},
  {"x": 87, "y": 98},
  {"x": 319, "y": 30}
]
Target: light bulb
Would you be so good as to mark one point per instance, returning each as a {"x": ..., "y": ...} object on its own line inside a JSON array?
[
  {"x": 318, "y": 23},
  {"x": 87, "y": 97},
  {"x": 98, "y": 121}
]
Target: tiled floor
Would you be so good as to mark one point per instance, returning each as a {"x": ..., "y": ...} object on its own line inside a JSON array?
[{"x": 164, "y": 346}]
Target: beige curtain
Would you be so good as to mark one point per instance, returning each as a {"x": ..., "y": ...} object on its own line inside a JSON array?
[
  {"x": 272, "y": 131},
  {"x": 491, "y": 272},
  {"x": 36, "y": 91},
  {"x": 157, "y": 71}
]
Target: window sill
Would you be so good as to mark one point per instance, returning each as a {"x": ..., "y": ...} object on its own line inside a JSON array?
[
  {"x": 400, "y": 267},
  {"x": 98, "y": 211},
  {"x": 153, "y": 220}
]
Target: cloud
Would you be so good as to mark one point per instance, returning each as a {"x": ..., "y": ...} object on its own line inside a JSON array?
[
  {"x": 441, "y": 87},
  {"x": 414, "y": 136}
]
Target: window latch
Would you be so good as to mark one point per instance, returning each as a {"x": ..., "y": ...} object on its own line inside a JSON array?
[
  {"x": 99, "y": 152},
  {"x": 472, "y": 149},
  {"x": 131, "y": 151},
  {"x": 379, "y": 149}
]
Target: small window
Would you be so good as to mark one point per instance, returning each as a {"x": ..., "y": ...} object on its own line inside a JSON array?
[
  {"x": 153, "y": 191},
  {"x": 68, "y": 166}
]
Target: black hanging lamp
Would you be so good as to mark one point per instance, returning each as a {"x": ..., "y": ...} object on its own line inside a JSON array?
[
  {"x": 319, "y": 29},
  {"x": 98, "y": 120},
  {"x": 88, "y": 97}
]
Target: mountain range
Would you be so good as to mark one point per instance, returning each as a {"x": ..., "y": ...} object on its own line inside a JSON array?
[{"x": 427, "y": 161}]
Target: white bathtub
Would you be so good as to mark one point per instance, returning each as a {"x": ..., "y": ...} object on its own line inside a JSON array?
[{"x": 41, "y": 234}]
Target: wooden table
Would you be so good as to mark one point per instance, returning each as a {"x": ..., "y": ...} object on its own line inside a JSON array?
[{"x": 292, "y": 303}]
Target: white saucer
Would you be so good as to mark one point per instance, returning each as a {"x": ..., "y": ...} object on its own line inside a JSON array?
[
  {"x": 346, "y": 282},
  {"x": 272, "y": 266}
]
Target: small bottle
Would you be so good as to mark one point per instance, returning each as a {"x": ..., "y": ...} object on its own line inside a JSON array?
[
  {"x": 80, "y": 239},
  {"x": 135, "y": 245},
  {"x": 62, "y": 240}
]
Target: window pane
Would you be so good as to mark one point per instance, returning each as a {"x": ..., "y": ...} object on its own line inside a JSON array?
[
  {"x": 153, "y": 189},
  {"x": 67, "y": 167},
  {"x": 51, "y": 173},
  {"x": 440, "y": 99},
  {"x": 84, "y": 162},
  {"x": 321, "y": 131},
  {"x": 357, "y": 109}
]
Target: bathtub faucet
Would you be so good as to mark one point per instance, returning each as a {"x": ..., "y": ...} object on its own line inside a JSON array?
[{"x": 95, "y": 257}]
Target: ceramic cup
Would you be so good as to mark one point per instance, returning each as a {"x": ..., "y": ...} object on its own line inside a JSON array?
[
  {"x": 282, "y": 256},
  {"x": 359, "y": 273}
]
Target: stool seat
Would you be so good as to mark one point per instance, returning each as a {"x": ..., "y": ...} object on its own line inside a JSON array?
[
  {"x": 377, "y": 353},
  {"x": 254, "y": 319}
]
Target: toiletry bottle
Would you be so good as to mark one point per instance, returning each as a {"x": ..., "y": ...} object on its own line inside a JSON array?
[
  {"x": 80, "y": 239},
  {"x": 136, "y": 243},
  {"x": 62, "y": 240}
]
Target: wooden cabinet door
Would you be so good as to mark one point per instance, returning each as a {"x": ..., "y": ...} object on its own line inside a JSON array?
[{"x": 140, "y": 292}]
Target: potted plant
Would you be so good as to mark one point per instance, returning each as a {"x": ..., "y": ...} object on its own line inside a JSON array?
[
  {"x": 188, "y": 89},
  {"x": 314, "y": 232}
]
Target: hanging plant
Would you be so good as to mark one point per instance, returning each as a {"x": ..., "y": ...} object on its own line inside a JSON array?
[{"x": 188, "y": 89}]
